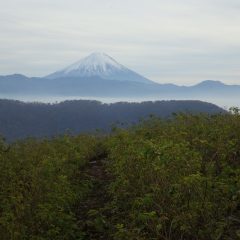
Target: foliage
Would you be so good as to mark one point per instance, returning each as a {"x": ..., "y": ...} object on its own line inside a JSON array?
[
  {"x": 41, "y": 181},
  {"x": 177, "y": 179},
  {"x": 165, "y": 179},
  {"x": 19, "y": 120}
]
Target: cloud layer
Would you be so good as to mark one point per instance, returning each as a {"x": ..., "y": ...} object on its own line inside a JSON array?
[{"x": 167, "y": 41}]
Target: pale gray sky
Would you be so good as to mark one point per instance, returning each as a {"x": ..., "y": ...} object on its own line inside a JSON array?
[{"x": 182, "y": 42}]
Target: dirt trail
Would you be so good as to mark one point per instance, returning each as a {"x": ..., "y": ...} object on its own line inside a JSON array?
[{"x": 93, "y": 211}]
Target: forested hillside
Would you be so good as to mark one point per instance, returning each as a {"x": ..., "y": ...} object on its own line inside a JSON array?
[
  {"x": 19, "y": 120},
  {"x": 169, "y": 179}
]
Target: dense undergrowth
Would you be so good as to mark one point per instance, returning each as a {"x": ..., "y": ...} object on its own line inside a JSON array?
[{"x": 162, "y": 179}]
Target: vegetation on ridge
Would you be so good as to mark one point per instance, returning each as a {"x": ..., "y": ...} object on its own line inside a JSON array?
[
  {"x": 161, "y": 179},
  {"x": 20, "y": 120}
]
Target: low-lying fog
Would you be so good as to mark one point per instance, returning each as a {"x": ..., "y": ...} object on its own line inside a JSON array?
[{"x": 223, "y": 102}]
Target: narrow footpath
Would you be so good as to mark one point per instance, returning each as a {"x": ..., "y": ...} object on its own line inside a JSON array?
[{"x": 93, "y": 210}]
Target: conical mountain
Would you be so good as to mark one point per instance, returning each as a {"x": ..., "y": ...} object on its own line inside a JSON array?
[{"x": 99, "y": 65}]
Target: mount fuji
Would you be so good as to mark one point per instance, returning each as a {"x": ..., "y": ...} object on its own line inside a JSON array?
[
  {"x": 99, "y": 76},
  {"x": 99, "y": 65}
]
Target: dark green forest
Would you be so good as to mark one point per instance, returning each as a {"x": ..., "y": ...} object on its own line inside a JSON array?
[
  {"x": 19, "y": 120},
  {"x": 162, "y": 179}
]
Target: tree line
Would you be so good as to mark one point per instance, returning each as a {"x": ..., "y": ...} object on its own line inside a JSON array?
[
  {"x": 19, "y": 120},
  {"x": 175, "y": 178}
]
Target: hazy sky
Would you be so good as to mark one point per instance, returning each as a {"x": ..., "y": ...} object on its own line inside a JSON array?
[{"x": 176, "y": 41}]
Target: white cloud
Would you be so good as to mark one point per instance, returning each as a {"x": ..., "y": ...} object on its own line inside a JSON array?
[{"x": 169, "y": 41}]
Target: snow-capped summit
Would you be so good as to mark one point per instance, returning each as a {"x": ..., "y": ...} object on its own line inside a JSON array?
[
  {"x": 95, "y": 63},
  {"x": 99, "y": 65}
]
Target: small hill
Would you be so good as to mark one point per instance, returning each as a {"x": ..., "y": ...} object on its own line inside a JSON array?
[{"x": 19, "y": 120}]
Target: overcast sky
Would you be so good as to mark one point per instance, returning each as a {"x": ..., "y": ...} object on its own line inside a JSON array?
[{"x": 182, "y": 42}]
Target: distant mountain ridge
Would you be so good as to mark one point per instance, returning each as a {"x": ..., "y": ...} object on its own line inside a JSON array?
[
  {"x": 99, "y": 87},
  {"x": 99, "y": 75}
]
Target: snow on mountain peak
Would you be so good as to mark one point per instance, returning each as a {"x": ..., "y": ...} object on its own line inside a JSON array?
[
  {"x": 94, "y": 63},
  {"x": 99, "y": 65}
]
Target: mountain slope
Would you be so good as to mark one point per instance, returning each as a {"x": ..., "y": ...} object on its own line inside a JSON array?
[
  {"x": 100, "y": 87},
  {"x": 19, "y": 120},
  {"x": 100, "y": 76},
  {"x": 99, "y": 65}
]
